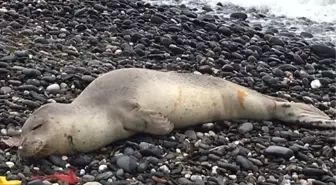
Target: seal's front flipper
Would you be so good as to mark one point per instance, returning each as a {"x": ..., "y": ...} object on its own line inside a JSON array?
[
  {"x": 303, "y": 114},
  {"x": 147, "y": 121}
]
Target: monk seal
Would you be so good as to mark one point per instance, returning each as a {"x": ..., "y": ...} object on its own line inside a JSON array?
[{"x": 123, "y": 102}]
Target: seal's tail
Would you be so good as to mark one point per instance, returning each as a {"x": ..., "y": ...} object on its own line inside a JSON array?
[{"x": 303, "y": 114}]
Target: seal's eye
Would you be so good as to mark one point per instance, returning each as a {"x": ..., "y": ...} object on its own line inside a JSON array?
[{"x": 37, "y": 126}]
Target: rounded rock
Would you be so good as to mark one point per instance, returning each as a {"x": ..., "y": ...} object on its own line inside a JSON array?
[{"x": 127, "y": 163}]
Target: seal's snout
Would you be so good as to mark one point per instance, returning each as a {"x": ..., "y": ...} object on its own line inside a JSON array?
[{"x": 31, "y": 148}]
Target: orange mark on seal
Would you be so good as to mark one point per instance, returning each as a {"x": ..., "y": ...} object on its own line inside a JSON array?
[{"x": 241, "y": 94}]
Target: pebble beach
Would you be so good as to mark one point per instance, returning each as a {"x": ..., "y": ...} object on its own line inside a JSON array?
[{"x": 51, "y": 50}]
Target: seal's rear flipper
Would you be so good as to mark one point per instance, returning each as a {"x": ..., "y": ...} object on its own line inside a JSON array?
[
  {"x": 303, "y": 114},
  {"x": 137, "y": 119}
]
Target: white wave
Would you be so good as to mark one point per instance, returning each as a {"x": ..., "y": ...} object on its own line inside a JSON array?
[{"x": 316, "y": 10}]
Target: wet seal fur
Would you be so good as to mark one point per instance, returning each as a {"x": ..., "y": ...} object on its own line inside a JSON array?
[{"x": 124, "y": 102}]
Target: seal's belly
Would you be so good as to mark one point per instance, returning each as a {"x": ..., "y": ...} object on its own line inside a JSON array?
[{"x": 183, "y": 104}]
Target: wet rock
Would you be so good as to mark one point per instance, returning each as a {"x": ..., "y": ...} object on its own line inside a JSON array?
[
  {"x": 323, "y": 50},
  {"x": 239, "y": 15},
  {"x": 279, "y": 151}
]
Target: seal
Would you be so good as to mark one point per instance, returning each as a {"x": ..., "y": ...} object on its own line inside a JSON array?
[{"x": 124, "y": 102}]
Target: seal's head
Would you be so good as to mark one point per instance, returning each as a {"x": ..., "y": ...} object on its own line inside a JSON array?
[{"x": 42, "y": 134}]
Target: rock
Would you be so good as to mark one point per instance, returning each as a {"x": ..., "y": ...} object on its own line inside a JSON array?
[
  {"x": 127, "y": 163},
  {"x": 5, "y": 90},
  {"x": 41, "y": 40},
  {"x": 81, "y": 160},
  {"x": 176, "y": 49},
  {"x": 306, "y": 34},
  {"x": 315, "y": 84},
  {"x": 56, "y": 160},
  {"x": 157, "y": 19},
  {"x": 92, "y": 183},
  {"x": 10, "y": 164},
  {"x": 80, "y": 12},
  {"x": 313, "y": 172},
  {"x": 35, "y": 182},
  {"x": 224, "y": 30},
  {"x": 323, "y": 50},
  {"x": 31, "y": 72},
  {"x": 53, "y": 88},
  {"x": 191, "y": 134},
  {"x": 244, "y": 163},
  {"x": 245, "y": 128},
  {"x": 276, "y": 41},
  {"x": 279, "y": 151},
  {"x": 239, "y": 15},
  {"x": 104, "y": 176}
]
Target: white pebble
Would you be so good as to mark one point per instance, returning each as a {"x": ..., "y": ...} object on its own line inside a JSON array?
[
  {"x": 53, "y": 88},
  {"x": 3, "y": 10},
  {"x": 178, "y": 150},
  {"x": 3, "y": 131},
  {"x": 67, "y": 165},
  {"x": 10, "y": 164},
  {"x": 233, "y": 177},
  {"x": 63, "y": 85},
  {"x": 164, "y": 168},
  {"x": 199, "y": 134},
  {"x": 46, "y": 182},
  {"x": 295, "y": 176},
  {"x": 212, "y": 133},
  {"x": 64, "y": 157},
  {"x": 92, "y": 183},
  {"x": 153, "y": 170},
  {"x": 82, "y": 172},
  {"x": 208, "y": 125},
  {"x": 26, "y": 93},
  {"x": 292, "y": 158},
  {"x": 102, "y": 167},
  {"x": 197, "y": 144},
  {"x": 315, "y": 84},
  {"x": 214, "y": 170},
  {"x": 261, "y": 179},
  {"x": 51, "y": 101},
  {"x": 197, "y": 73},
  {"x": 118, "y": 52},
  {"x": 195, "y": 177},
  {"x": 187, "y": 175}
]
